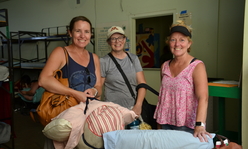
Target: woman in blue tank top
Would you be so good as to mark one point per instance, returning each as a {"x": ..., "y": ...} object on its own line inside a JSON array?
[{"x": 82, "y": 68}]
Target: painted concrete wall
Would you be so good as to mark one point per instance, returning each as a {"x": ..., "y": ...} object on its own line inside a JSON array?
[
  {"x": 217, "y": 26},
  {"x": 27, "y": 15},
  {"x": 34, "y": 15},
  {"x": 245, "y": 82}
]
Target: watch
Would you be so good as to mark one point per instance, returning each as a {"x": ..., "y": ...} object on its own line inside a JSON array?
[
  {"x": 199, "y": 124},
  {"x": 95, "y": 91}
]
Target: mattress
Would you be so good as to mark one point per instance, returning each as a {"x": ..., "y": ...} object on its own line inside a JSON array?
[
  {"x": 154, "y": 139},
  {"x": 24, "y": 65}
]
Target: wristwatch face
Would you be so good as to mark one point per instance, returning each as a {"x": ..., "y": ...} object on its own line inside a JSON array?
[{"x": 199, "y": 124}]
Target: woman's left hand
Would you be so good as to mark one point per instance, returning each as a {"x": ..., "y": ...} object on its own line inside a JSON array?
[
  {"x": 201, "y": 133},
  {"x": 91, "y": 92}
]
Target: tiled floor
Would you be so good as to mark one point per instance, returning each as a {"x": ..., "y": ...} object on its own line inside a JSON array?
[{"x": 28, "y": 133}]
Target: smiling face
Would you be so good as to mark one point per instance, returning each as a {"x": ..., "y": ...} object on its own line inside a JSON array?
[
  {"x": 117, "y": 42},
  {"x": 179, "y": 44},
  {"x": 81, "y": 34}
]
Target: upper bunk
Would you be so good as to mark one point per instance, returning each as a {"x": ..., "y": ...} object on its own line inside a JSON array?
[
  {"x": 49, "y": 34},
  {"x": 4, "y": 38},
  {"x": 3, "y": 17},
  {"x": 57, "y": 33},
  {"x": 9, "y": 41}
]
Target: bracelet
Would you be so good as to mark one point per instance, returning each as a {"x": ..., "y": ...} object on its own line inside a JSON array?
[{"x": 95, "y": 91}]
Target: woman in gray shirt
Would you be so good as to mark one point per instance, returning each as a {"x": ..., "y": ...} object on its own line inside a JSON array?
[{"x": 116, "y": 90}]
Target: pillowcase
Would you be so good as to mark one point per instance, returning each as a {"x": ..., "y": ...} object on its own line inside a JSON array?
[
  {"x": 101, "y": 120},
  {"x": 58, "y": 130}
]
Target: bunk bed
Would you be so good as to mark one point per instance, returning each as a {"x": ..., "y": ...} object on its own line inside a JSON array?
[
  {"x": 14, "y": 41},
  {"x": 6, "y": 85},
  {"x": 47, "y": 35},
  {"x": 29, "y": 37}
]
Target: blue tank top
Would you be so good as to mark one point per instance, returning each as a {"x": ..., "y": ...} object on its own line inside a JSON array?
[{"x": 80, "y": 78}]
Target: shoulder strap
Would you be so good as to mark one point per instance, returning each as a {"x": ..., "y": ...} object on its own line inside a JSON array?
[
  {"x": 142, "y": 85},
  {"x": 129, "y": 57},
  {"x": 123, "y": 75},
  {"x": 170, "y": 61},
  {"x": 193, "y": 60},
  {"x": 66, "y": 55},
  {"x": 67, "y": 61}
]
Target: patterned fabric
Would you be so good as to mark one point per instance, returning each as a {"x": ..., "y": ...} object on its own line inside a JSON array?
[
  {"x": 105, "y": 119},
  {"x": 77, "y": 125},
  {"x": 177, "y": 103},
  {"x": 80, "y": 78},
  {"x": 101, "y": 120}
]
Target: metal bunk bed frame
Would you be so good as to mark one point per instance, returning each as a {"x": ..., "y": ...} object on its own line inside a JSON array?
[
  {"x": 21, "y": 37},
  {"x": 11, "y": 75},
  {"x": 45, "y": 35}
]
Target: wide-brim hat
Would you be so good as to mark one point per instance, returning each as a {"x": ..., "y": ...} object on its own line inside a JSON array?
[
  {"x": 4, "y": 73},
  {"x": 115, "y": 29}
]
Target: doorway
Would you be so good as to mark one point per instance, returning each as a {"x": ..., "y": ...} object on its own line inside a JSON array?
[
  {"x": 151, "y": 34},
  {"x": 148, "y": 35}
]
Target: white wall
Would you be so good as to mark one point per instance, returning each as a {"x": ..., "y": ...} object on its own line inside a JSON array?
[
  {"x": 33, "y": 15},
  {"x": 230, "y": 39},
  {"x": 245, "y": 83},
  {"x": 217, "y": 25}
]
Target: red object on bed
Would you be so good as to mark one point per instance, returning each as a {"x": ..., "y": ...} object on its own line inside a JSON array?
[{"x": 5, "y": 103}]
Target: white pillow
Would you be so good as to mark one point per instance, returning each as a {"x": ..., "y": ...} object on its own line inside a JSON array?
[
  {"x": 5, "y": 131},
  {"x": 58, "y": 130},
  {"x": 4, "y": 73}
]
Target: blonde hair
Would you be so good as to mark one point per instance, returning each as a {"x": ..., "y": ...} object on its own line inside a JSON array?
[{"x": 180, "y": 23}]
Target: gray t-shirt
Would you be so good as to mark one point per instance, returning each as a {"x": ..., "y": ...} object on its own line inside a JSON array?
[{"x": 115, "y": 88}]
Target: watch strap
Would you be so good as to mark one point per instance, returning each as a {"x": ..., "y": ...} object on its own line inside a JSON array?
[{"x": 199, "y": 124}]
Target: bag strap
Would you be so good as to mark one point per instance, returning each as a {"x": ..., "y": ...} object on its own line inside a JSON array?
[
  {"x": 86, "y": 143},
  {"x": 67, "y": 61},
  {"x": 142, "y": 85},
  {"x": 146, "y": 86},
  {"x": 123, "y": 74}
]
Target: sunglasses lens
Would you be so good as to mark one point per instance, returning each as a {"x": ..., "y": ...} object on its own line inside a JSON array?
[
  {"x": 88, "y": 80},
  {"x": 88, "y": 73}
]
